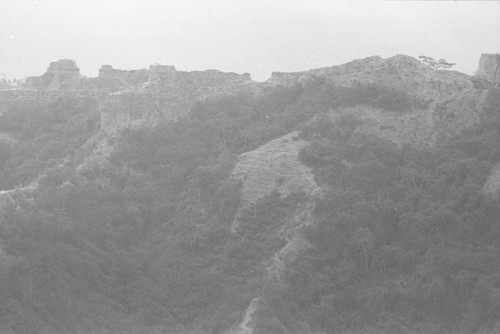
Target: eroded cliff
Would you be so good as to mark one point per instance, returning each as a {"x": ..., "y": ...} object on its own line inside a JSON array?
[
  {"x": 489, "y": 68},
  {"x": 275, "y": 166}
]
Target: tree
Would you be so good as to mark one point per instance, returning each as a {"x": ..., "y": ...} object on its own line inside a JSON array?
[
  {"x": 364, "y": 239},
  {"x": 440, "y": 64}
]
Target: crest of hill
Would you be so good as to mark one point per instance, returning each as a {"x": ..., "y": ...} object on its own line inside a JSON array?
[
  {"x": 400, "y": 72},
  {"x": 64, "y": 74},
  {"x": 162, "y": 92},
  {"x": 134, "y": 97}
]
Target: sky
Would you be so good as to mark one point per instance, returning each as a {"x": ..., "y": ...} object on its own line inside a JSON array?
[{"x": 258, "y": 37}]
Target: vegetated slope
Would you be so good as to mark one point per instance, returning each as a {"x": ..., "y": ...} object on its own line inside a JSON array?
[
  {"x": 401, "y": 237},
  {"x": 406, "y": 240},
  {"x": 145, "y": 241}
]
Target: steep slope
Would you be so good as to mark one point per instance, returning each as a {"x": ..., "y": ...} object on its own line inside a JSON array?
[
  {"x": 120, "y": 99},
  {"x": 448, "y": 104},
  {"x": 442, "y": 102},
  {"x": 275, "y": 166},
  {"x": 490, "y": 111},
  {"x": 205, "y": 202},
  {"x": 489, "y": 68}
]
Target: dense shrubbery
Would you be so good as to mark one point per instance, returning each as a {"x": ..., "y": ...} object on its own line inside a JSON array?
[
  {"x": 46, "y": 132},
  {"x": 151, "y": 237},
  {"x": 406, "y": 240},
  {"x": 331, "y": 95}
]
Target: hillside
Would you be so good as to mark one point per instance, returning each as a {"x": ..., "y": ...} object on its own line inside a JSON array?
[{"x": 359, "y": 198}]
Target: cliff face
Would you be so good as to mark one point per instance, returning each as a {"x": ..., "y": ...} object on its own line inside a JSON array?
[
  {"x": 127, "y": 109},
  {"x": 449, "y": 101},
  {"x": 60, "y": 75},
  {"x": 489, "y": 68},
  {"x": 401, "y": 72},
  {"x": 162, "y": 93},
  {"x": 275, "y": 166},
  {"x": 125, "y": 99},
  {"x": 131, "y": 98}
]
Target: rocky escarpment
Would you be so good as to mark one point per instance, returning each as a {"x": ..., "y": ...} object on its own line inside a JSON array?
[
  {"x": 62, "y": 78},
  {"x": 128, "y": 109},
  {"x": 275, "y": 166},
  {"x": 447, "y": 101},
  {"x": 444, "y": 102},
  {"x": 489, "y": 68},
  {"x": 126, "y": 98},
  {"x": 162, "y": 92},
  {"x": 60, "y": 75},
  {"x": 135, "y": 97},
  {"x": 400, "y": 72},
  {"x": 131, "y": 98}
]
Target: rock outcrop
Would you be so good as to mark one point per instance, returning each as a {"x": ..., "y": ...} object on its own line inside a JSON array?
[
  {"x": 492, "y": 184},
  {"x": 60, "y": 75},
  {"x": 130, "y": 98},
  {"x": 400, "y": 72},
  {"x": 275, "y": 166},
  {"x": 489, "y": 68},
  {"x": 127, "y": 98},
  {"x": 128, "y": 109},
  {"x": 259, "y": 318},
  {"x": 161, "y": 92}
]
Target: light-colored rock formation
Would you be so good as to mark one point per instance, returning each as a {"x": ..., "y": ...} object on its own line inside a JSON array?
[
  {"x": 492, "y": 185},
  {"x": 295, "y": 241},
  {"x": 400, "y": 72},
  {"x": 489, "y": 68},
  {"x": 60, "y": 75},
  {"x": 245, "y": 327},
  {"x": 274, "y": 165},
  {"x": 162, "y": 93},
  {"x": 127, "y": 109},
  {"x": 127, "y": 98},
  {"x": 131, "y": 97},
  {"x": 258, "y": 319},
  {"x": 165, "y": 93}
]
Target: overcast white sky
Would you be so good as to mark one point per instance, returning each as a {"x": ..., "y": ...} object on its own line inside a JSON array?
[{"x": 258, "y": 37}]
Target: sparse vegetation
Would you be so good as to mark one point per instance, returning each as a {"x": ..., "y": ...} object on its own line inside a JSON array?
[{"x": 440, "y": 64}]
